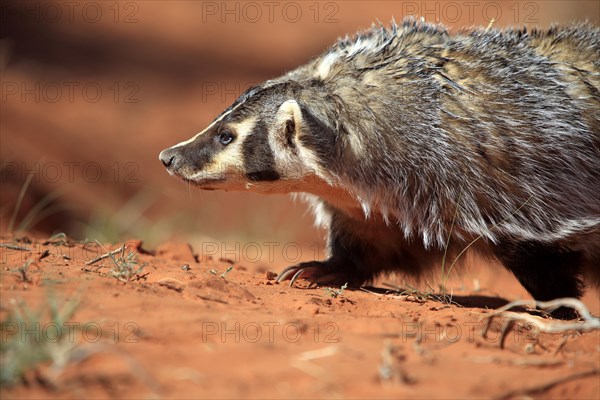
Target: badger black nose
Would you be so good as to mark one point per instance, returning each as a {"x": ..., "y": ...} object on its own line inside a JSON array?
[{"x": 168, "y": 157}]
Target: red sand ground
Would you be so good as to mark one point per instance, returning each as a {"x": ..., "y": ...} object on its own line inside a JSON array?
[{"x": 173, "y": 332}]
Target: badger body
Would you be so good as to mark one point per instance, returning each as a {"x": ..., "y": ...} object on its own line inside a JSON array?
[{"x": 411, "y": 144}]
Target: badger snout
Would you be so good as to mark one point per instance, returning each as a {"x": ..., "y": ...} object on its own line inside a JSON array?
[
  {"x": 193, "y": 162},
  {"x": 170, "y": 158}
]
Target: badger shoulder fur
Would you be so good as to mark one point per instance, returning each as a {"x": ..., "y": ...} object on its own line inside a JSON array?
[{"x": 411, "y": 143}]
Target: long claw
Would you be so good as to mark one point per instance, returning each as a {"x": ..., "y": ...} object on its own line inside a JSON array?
[
  {"x": 286, "y": 273},
  {"x": 299, "y": 274},
  {"x": 296, "y": 276},
  {"x": 315, "y": 272}
]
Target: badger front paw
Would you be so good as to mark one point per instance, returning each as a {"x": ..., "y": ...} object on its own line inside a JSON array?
[{"x": 316, "y": 272}]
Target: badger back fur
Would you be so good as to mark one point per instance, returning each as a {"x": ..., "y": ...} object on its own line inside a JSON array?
[{"x": 409, "y": 142}]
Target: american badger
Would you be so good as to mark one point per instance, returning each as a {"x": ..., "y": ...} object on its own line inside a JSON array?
[{"x": 412, "y": 144}]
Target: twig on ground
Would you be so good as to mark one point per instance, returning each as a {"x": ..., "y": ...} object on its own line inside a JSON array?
[
  {"x": 521, "y": 362},
  {"x": 14, "y": 247},
  {"x": 546, "y": 385},
  {"x": 106, "y": 255},
  {"x": 588, "y": 324}
]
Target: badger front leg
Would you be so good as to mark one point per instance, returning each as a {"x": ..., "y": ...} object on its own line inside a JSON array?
[
  {"x": 317, "y": 272},
  {"x": 358, "y": 250},
  {"x": 340, "y": 268},
  {"x": 345, "y": 256},
  {"x": 341, "y": 263}
]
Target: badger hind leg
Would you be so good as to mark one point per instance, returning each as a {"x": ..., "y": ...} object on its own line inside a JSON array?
[{"x": 547, "y": 271}]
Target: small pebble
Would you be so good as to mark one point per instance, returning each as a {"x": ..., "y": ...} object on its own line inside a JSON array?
[{"x": 271, "y": 276}]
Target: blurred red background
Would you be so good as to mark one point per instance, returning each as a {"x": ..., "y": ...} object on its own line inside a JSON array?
[{"x": 92, "y": 91}]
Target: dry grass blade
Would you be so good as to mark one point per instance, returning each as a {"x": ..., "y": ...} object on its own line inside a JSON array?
[{"x": 13, "y": 218}]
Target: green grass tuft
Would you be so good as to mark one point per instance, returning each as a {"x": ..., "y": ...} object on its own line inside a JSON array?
[
  {"x": 125, "y": 266},
  {"x": 25, "y": 346},
  {"x": 336, "y": 292}
]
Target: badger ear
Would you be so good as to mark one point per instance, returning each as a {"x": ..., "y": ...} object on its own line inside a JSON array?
[{"x": 289, "y": 119}]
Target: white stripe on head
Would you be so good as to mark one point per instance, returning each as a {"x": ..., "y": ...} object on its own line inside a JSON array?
[
  {"x": 207, "y": 128},
  {"x": 211, "y": 125},
  {"x": 266, "y": 85}
]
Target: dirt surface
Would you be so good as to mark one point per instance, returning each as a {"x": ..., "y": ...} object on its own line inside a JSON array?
[
  {"x": 85, "y": 163},
  {"x": 187, "y": 326},
  {"x": 88, "y": 103}
]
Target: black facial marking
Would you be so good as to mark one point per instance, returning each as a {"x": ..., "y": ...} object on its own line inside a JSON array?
[
  {"x": 258, "y": 158},
  {"x": 319, "y": 137},
  {"x": 193, "y": 156},
  {"x": 290, "y": 132}
]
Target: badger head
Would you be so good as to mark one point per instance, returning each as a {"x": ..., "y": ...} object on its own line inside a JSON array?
[{"x": 269, "y": 140}]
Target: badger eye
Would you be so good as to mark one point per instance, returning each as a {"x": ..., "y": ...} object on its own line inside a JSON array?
[{"x": 225, "y": 138}]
